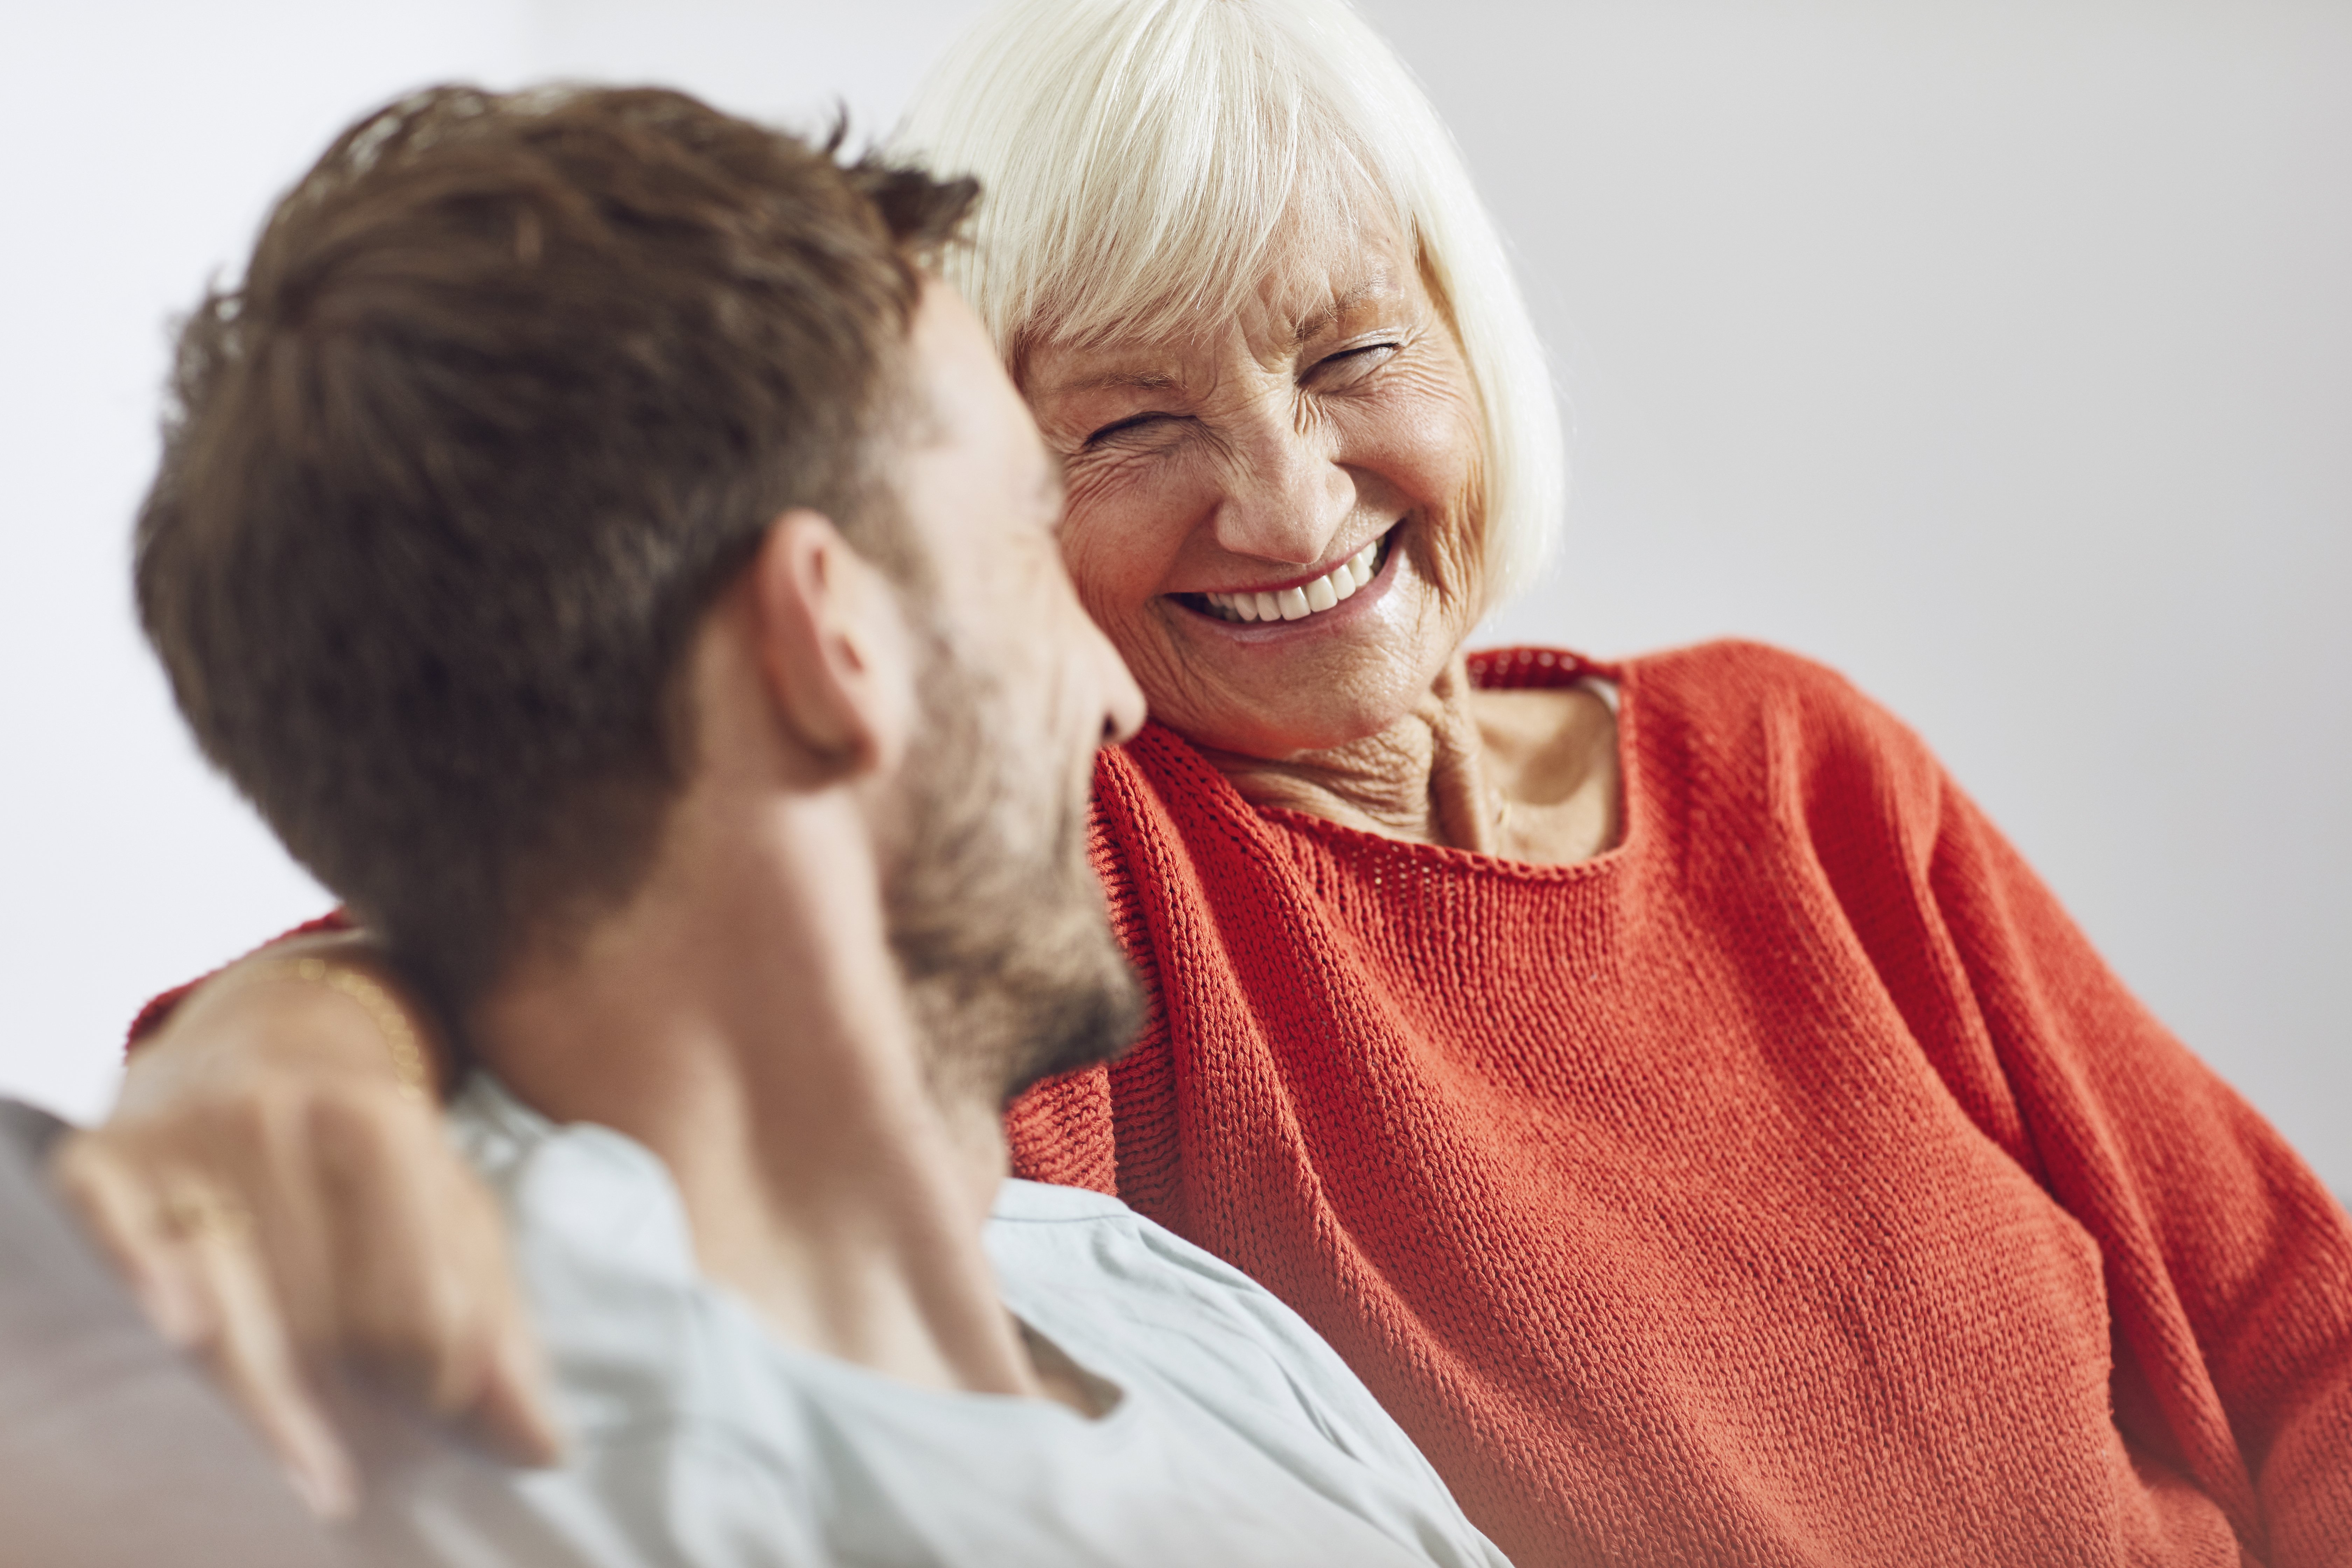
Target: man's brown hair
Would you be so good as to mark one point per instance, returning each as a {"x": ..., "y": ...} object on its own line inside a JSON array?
[{"x": 511, "y": 387}]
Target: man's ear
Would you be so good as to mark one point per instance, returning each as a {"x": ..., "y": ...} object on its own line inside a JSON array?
[{"x": 833, "y": 645}]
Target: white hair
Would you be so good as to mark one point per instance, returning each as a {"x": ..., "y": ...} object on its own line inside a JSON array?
[{"x": 1137, "y": 157}]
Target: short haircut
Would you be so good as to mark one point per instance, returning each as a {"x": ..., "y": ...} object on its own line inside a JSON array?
[
  {"x": 1138, "y": 155},
  {"x": 513, "y": 385}
]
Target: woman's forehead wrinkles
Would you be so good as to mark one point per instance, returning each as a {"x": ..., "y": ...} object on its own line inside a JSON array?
[{"x": 1320, "y": 274}]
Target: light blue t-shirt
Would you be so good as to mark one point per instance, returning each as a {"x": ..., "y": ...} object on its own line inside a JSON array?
[{"x": 699, "y": 1437}]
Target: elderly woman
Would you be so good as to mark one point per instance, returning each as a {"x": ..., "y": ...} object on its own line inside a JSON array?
[{"x": 1657, "y": 1079}]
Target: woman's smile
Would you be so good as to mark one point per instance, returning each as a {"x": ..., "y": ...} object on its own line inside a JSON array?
[{"x": 1274, "y": 607}]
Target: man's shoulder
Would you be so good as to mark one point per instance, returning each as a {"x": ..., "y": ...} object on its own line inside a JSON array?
[
  {"x": 695, "y": 1431},
  {"x": 1210, "y": 1349},
  {"x": 1077, "y": 1233},
  {"x": 1021, "y": 1202},
  {"x": 1136, "y": 1299}
]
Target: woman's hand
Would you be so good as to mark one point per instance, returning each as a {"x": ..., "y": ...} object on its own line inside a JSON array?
[{"x": 280, "y": 1198}]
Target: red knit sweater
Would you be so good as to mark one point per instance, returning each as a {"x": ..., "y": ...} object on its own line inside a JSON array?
[{"x": 1791, "y": 1185}]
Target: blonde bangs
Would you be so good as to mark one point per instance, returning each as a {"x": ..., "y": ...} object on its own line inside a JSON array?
[{"x": 1139, "y": 194}]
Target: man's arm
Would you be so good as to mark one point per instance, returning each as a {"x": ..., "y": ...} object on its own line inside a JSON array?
[{"x": 274, "y": 1184}]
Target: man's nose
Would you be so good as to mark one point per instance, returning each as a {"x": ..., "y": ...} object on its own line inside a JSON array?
[{"x": 1284, "y": 497}]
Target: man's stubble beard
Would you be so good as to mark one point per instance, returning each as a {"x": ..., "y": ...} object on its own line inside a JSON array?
[{"x": 994, "y": 913}]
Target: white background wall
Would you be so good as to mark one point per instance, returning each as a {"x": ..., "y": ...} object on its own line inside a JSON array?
[{"x": 1998, "y": 353}]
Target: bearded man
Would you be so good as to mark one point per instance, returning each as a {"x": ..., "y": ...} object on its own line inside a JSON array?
[{"x": 612, "y": 565}]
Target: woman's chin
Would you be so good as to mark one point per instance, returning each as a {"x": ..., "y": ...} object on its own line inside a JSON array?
[
  {"x": 1282, "y": 719},
  {"x": 1277, "y": 692}
]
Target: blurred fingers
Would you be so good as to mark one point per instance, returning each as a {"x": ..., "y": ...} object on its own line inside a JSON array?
[
  {"x": 242, "y": 1336},
  {"x": 513, "y": 1417},
  {"x": 425, "y": 1292},
  {"x": 119, "y": 1211}
]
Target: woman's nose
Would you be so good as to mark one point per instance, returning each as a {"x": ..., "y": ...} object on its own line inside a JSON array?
[{"x": 1285, "y": 496}]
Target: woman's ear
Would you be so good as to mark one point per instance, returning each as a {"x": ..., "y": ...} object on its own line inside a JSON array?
[{"x": 834, "y": 646}]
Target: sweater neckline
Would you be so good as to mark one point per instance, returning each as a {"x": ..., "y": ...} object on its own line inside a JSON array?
[{"x": 1505, "y": 668}]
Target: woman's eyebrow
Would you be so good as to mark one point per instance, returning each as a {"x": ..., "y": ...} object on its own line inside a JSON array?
[
  {"x": 1323, "y": 318},
  {"x": 1118, "y": 380}
]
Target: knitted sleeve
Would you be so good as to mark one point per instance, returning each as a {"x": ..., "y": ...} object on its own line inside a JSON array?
[
  {"x": 152, "y": 1017},
  {"x": 2229, "y": 1266}
]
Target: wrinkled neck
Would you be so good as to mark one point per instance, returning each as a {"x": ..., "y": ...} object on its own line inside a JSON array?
[
  {"x": 1423, "y": 779},
  {"x": 1529, "y": 775}
]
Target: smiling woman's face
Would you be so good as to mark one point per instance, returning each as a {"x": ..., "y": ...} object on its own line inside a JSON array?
[{"x": 1275, "y": 520}]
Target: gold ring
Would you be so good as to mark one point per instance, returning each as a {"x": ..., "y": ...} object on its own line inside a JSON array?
[{"x": 189, "y": 1213}]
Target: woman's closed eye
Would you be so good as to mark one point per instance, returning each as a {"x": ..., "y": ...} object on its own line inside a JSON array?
[
  {"x": 1351, "y": 365},
  {"x": 1133, "y": 424}
]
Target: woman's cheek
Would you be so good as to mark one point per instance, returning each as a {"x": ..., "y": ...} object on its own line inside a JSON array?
[
  {"x": 1430, "y": 444},
  {"x": 1124, "y": 525},
  {"x": 1110, "y": 566},
  {"x": 1452, "y": 558}
]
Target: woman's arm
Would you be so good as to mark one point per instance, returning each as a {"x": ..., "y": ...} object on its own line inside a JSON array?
[
  {"x": 274, "y": 1184},
  {"x": 2227, "y": 1265}
]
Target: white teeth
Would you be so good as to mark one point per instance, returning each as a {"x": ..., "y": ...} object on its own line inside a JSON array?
[{"x": 1294, "y": 603}]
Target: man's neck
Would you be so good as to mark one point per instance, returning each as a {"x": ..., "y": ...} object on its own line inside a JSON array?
[{"x": 742, "y": 1017}]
